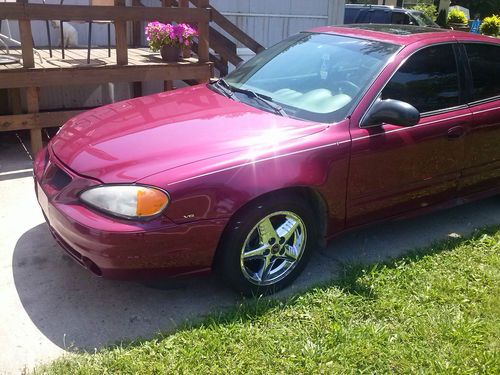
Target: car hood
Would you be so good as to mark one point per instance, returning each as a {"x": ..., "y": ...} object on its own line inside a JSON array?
[{"x": 132, "y": 139}]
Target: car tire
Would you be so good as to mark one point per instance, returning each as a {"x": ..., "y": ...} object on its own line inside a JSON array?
[{"x": 256, "y": 260}]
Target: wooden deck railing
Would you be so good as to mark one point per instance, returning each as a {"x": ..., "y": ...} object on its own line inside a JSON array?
[
  {"x": 25, "y": 13},
  {"x": 28, "y": 79}
]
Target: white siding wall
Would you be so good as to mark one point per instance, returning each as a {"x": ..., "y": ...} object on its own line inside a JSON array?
[{"x": 268, "y": 22}]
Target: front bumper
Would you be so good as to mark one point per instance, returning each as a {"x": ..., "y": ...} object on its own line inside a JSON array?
[{"x": 115, "y": 248}]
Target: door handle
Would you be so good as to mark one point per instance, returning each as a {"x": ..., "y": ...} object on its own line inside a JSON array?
[{"x": 456, "y": 132}]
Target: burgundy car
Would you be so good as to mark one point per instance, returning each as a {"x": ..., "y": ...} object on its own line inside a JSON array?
[{"x": 328, "y": 130}]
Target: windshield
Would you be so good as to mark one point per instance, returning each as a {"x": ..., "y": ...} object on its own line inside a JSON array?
[
  {"x": 423, "y": 20},
  {"x": 316, "y": 77}
]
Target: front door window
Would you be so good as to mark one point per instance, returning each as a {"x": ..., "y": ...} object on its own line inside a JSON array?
[{"x": 428, "y": 80}]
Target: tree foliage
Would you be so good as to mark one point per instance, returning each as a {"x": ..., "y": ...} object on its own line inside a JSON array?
[
  {"x": 491, "y": 26},
  {"x": 427, "y": 7}
]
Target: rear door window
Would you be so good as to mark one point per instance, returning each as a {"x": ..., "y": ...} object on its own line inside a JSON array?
[
  {"x": 379, "y": 16},
  {"x": 399, "y": 18},
  {"x": 350, "y": 15},
  {"x": 363, "y": 16},
  {"x": 484, "y": 62}
]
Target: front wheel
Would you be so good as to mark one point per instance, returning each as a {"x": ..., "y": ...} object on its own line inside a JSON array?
[{"x": 267, "y": 245}]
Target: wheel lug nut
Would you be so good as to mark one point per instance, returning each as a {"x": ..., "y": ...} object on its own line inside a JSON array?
[
  {"x": 272, "y": 241},
  {"x": 282, "y": 251},
  {"x": 282, "y": 240},
  {"x": 267, "y": 252}
]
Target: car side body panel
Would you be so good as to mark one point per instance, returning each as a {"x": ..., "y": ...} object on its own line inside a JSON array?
[
  {"x": 481, "y": 171},
  {"x": 482, "y": 150}
]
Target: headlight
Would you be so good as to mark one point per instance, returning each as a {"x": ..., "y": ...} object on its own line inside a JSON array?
[{"x": 128, "y": 201}]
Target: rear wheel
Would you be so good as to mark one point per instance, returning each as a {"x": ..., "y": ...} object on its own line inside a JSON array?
[{"x": 267, "y": 245}]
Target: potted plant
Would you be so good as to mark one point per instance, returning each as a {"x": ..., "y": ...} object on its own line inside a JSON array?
[
  {"x": 169, "y": 39},
  {"x": 490, "y": 26},
  {"x": 457, "y": 20}
]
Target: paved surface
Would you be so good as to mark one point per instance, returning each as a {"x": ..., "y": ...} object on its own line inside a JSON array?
[{"x": 49, "y": 305}]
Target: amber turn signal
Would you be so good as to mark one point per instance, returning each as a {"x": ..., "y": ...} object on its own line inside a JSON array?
[{"x": 150, "y": 202}]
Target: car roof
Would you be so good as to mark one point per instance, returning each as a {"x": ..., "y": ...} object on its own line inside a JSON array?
[
  {"x": 375, "y": 6},
  {"x": 401, "y": 34},
  {"x": 383, "y": 7}
]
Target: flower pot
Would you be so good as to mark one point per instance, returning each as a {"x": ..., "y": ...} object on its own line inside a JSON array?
[
  {"x": 170, "y": 53},
  {"x": 186, "y": 52}
]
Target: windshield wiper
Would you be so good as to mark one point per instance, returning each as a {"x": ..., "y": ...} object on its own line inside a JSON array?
[
  {"x": 225, "y": 88},
  {"x": 229, "y": 91},
  {"x": 261, "y": 98}
]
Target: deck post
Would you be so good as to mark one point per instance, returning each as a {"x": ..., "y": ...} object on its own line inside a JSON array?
[
  {"x": 137, "y": 32},
  {"x": 32, "y": 106},
  {"x": 26, "y": 43},
  {"x": 121, "y": 38},
  {"x": 168, "y": 85},
  {"x": 203, "y": 38},
  {"x": 121, "y": 42},
  {"x": 186, "y": 52},
  {"x": 137, "y": 29}
]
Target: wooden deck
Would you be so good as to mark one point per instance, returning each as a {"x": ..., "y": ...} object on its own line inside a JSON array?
[
  {"x": 143, "y": 65},
  {"x": 20, "y": 83}
]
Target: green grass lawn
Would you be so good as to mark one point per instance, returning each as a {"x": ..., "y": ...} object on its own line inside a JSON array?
[{"x": 435, "y": 311}]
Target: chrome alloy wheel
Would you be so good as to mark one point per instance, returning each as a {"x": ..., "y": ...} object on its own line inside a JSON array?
[{"x": 273, "y": 248}]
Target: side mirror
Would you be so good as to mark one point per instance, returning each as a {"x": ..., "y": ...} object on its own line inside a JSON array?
[{"x": 394, "y": 112}]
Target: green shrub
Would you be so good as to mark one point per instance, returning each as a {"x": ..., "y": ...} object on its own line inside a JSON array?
[
  {"x": 429, "y": 10},
  {"x": 491, "y": 26},
  {"x": 456, "y": 16}
]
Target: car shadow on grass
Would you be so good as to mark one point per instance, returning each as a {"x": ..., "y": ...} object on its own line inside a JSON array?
[{"x": 78, "y": 311}]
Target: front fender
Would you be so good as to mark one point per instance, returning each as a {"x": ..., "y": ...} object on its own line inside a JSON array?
[{"x": 217, "y": 188}]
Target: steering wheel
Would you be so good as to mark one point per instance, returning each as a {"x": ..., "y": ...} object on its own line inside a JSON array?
[{"x": 347, "y": 87}]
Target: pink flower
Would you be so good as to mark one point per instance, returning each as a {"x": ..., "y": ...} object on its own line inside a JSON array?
[{"x": 159, "y": 34}]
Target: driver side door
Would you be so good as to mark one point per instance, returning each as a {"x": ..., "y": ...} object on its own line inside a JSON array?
[{"x": 394, "y": 169}]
